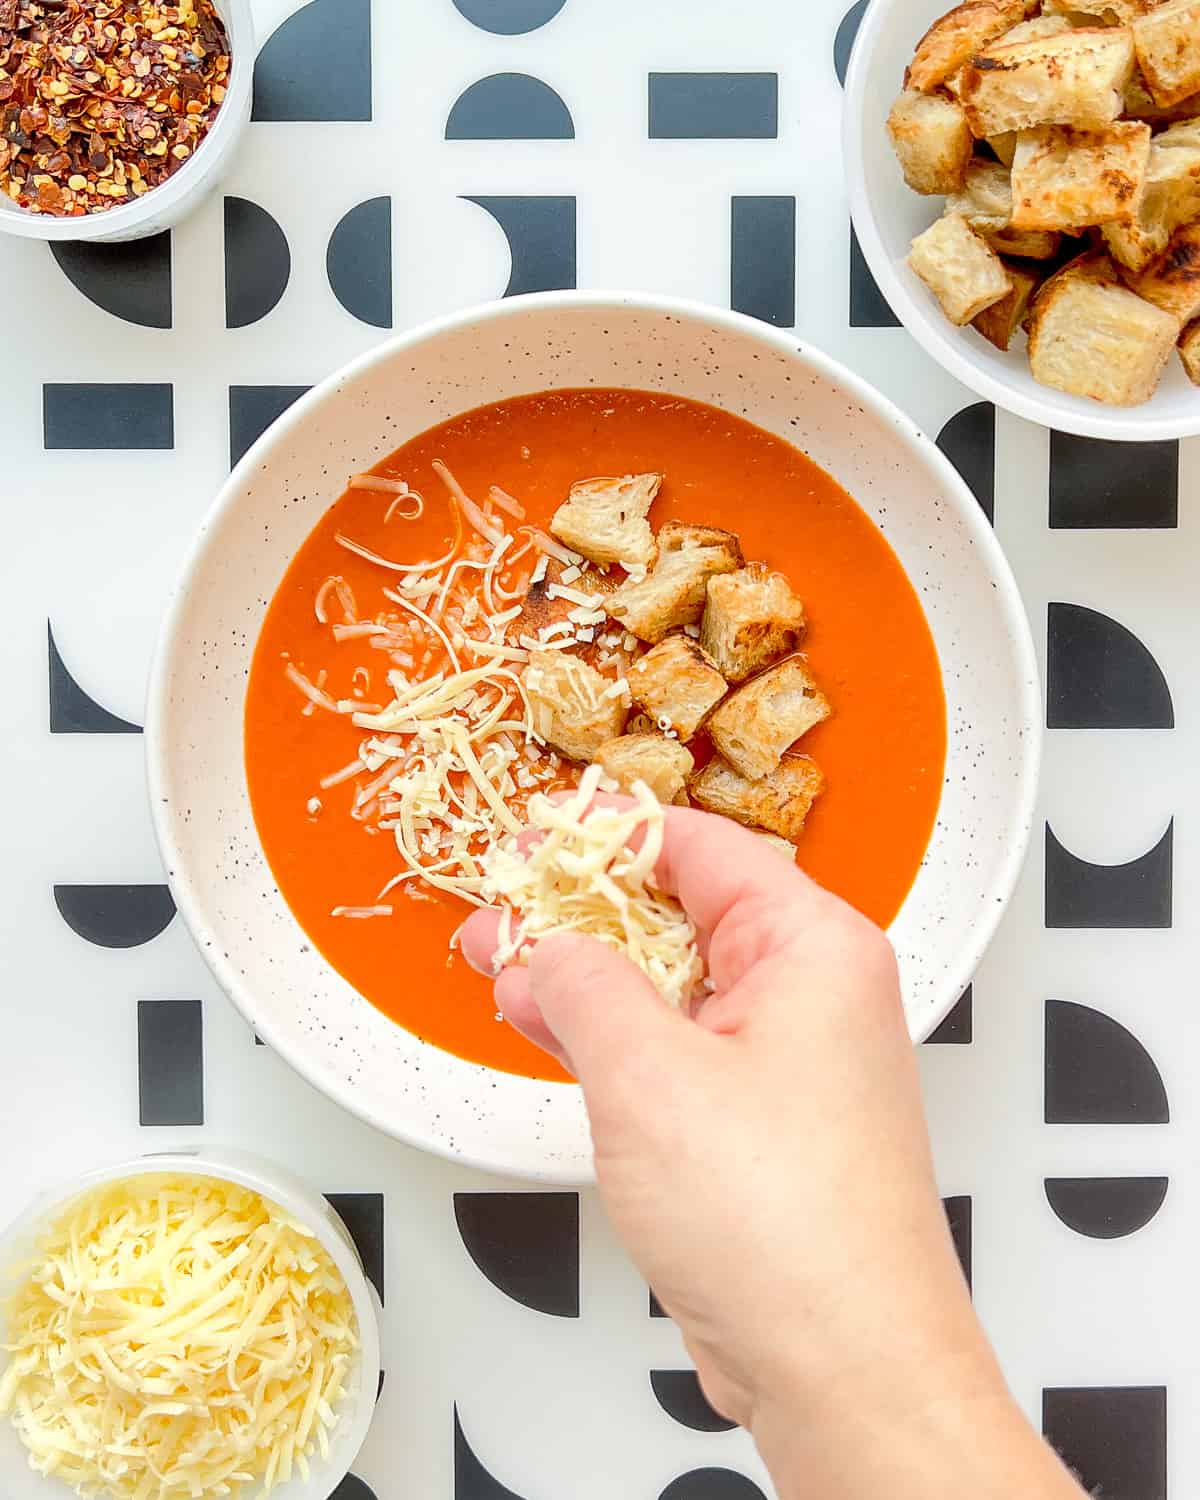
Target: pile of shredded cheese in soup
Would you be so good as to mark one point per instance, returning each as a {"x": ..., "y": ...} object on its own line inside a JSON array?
[{"x": 176, "y": 1337}]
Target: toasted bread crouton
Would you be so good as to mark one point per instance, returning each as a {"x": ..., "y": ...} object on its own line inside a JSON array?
[
  {"x": 1025, "y": 244},
  {"x": 1189, "y": 351},
  {"x": 1171, "y": 197},
  {"x": 1004, "y": 146},
  {"x": 1140, "y": 103},
  {"x": 1077, "y": 78},
  {"x": 956, "y": 37},
  {"x": 1091, "y": 337},
  {"x": 1099, "y": 12},
  {"x": 663, "y": 764},
  {"x": 605, "y": 519},
  {"x": 569, "y": 704},
  {"x": 1172, "y": 280},
  {"x": 959, "y": 267},
  {"x": 932, "y": 142},
  {"x": 777, "y": 841},
  {"x": 1068, "y": 179},
  {"x": 1000, "y": 322},
  {"x": 1036, "y": 28},
  {"x": 758, "y": 722},
  {"x": 545, "y": 607},
  {"x": 778, "y": 803},
  {"x": 678, "y": 685},
  {"x": 986, "y": 198},
  {"x": 673, "y": 593},
  {"x": 752, "y": 617},
  {"x": 1167, "y": 41}
]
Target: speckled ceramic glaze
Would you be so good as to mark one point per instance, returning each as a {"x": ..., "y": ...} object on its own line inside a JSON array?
[{"x": 219, "y": 876}]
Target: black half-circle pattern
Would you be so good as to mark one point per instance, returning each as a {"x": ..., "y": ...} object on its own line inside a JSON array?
[
  {"x": 362, "y": 1214},
  {"x": 1126, "y": 486},
  {"x": 353, "y": 1488},
  {"x": 1099, "y": 675},
  {"x": 541, "y": 240},
  {"x": 1097, "y": 1072},
  {"x": 509, "y": 17},
  {"x": 115, "y": 916},
  {"x": 958, "y": 1028},
  {"x": 317, "y": 64},
  {"x": 843, "y": 42},
  {"x": 678, "y": 1393},
  {"x": 1114, "y": 1438},
  {"x": 252, "y": 409},
  {"x": 1137, "y": 895},
  {"x": 359, "y": 262},
  {"x": 526, "y": 1244},
  {"x": 72, "y": 711},
  {"x": 258, "y": 262},
  {"x": 130, "y": 279},
  {"x": 958, "y": 1216},
  {"x": 1106, "y": 1208},
  {"x": 762, "y": 258},
  {"x": 969, "y": 441},
  {"x": 869, "y": 308},
  {"x": 471, "y": 1480},
  {"x": 509, "y": 107},
  {"x": 712, "y": 1484},
  {"x": 170, "y": 1062},
  {"x": 713, "y": 106}
]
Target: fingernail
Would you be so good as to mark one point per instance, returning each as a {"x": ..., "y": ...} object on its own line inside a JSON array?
[{"x": 487, "y": 971}]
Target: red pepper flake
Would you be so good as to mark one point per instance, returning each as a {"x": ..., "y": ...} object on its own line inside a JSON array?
[{"x": 103, "y": 99}]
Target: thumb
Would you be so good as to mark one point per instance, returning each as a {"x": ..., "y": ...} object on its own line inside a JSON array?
[{"x": 598, "y": 1005}]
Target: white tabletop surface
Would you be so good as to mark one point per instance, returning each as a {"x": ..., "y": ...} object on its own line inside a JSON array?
[{"x": 1036, "y": 1100}]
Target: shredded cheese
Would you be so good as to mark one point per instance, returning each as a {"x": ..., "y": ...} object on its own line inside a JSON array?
[
  {"x": 585, "y": 876},
  {"x": 177, "y": 1337}
]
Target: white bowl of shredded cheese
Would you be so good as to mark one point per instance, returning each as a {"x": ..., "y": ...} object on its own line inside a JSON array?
[{"x": 179, "y": 1327}]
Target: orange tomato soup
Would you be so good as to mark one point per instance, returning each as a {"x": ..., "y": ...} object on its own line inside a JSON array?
[{"x": 868, "y": 645}]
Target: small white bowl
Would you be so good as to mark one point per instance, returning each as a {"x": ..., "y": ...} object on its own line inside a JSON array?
[
  {"x": 185, "y": 189},
  {"x": 211, "y": 850},
  {"x": 18, "y": 1242},
  {"x": 888, "y": 215}
]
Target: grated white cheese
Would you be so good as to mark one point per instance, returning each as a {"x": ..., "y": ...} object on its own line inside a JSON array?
[
  {"x": 176, "y": 1337},
  {"x": 584, "y": 876}
]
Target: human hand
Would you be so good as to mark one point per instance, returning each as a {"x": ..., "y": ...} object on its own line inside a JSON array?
[{"x": 767, "y": 1165}]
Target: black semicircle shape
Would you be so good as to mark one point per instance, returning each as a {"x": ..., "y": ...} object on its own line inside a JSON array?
[
  {"x": 1106, "y": 1208},
  {"x": 843, "y": 43},
  {"x": 115, "y": 916},
  {"x": 1099, "y": 675},
  {"x": 1138, "y": 895},
  {"x": 712, "y": 1484},
  {"x": 678, "y": 1393},
  {"x": 969, "y": 441},
  {"x": 317, "y": 64},
  {"x": 471, "y": 1480},
  {"x": 72, "y": 711},
  {"x": 1097, "y": 1072},
  {"x": 509, "y": 107},
  {"x": 508, "y": 17},
  {"x": 359, "y": 262},
  {"x": 258, "y": 262},
  {"x": 131, "y": 279},
  {"x": 526, "y": 1244},
  {"x": 541, "y": 239},
  {"x": 353, "y": 1488}
]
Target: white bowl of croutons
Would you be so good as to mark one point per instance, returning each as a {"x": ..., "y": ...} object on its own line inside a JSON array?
[{"x": 1024, "y": 181}]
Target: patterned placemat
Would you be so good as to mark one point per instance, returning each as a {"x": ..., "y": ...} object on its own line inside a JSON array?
[{"x": 412, "y": 156}]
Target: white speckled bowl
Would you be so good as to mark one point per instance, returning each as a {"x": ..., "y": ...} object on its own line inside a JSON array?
[{"x": 219, "y": 876}]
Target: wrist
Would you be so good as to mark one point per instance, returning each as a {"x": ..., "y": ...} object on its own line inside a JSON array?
[{"x": 909, "y": 1440}]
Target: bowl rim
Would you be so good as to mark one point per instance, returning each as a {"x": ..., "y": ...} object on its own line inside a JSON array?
[
  {"x": 911, "y": 437},
  {"x": 937, "y": 336}
]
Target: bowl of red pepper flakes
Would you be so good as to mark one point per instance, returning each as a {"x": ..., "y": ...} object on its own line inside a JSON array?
[{"x": 117, "y": 116}]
